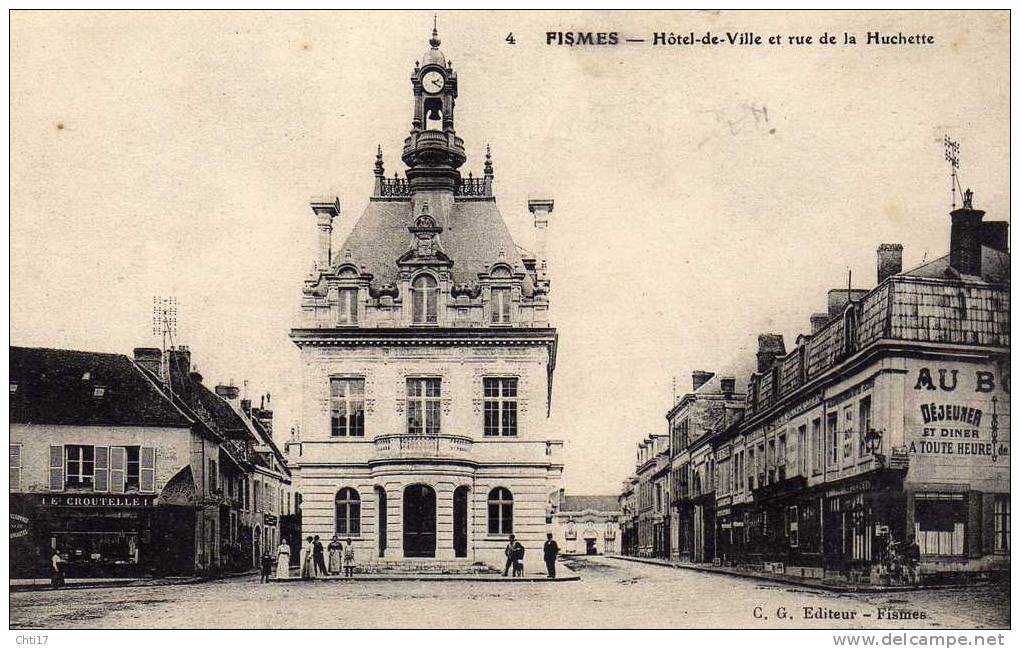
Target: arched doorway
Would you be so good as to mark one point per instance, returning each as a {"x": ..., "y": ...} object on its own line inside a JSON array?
[
  {"x": 380, "y": 495},
  {"x": 419, "y": 521},
  {"x": 460, "y": 522}
]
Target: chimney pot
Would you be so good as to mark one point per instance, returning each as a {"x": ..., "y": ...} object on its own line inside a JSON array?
[
  {"x": 149, "y": 359},
  {"x": 890, "y": 260},
  {"x": 818, "y": 320},
  {"x": 728, "y": 385},
  {"x": 995, "y": 235},
  {"x": 700, "y": 378},
  {"x": 770, "y": 347},
  {"x": 965, "y": 238}
]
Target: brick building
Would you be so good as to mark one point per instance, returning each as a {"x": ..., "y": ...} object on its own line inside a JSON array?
[{"x": 427, "y": 359}]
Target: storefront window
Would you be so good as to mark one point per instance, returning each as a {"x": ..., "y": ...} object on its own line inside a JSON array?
[
  {"x": 15, "y": 467},
  {"x": 1002, "y": 523},
  {"x": 940, "y": 521}
]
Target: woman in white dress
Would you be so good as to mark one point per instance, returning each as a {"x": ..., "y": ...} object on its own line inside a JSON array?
[
  {"x": 283, "y": 561},
  {"x": 307, "y": 571}
]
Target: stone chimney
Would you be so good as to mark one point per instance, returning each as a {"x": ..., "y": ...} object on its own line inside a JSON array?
[
  {"x": 838, "y": 298},
  {"x": 179, "y": 361},
  {"x": 229, "y": 393},
  {"x": 326, "y": 209},
  {"x": 995, "y": 235},
  {"x": 890, "y": 260},
  {"x": 246, "y": 407},
  {"x": 728, "y": 384},
  {"x": 700, "y": 378},
  {"x": 770, "y": 347},
  {"x": 541, "y": 208},
  {"x": 965, "y": 237},
  {"x": 818, "y": 320},
  {"x": 150, "y": 359}
]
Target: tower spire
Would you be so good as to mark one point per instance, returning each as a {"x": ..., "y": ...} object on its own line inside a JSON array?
[{"x": 434, "y": 41}]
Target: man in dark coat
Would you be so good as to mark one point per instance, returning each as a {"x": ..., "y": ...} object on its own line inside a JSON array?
[
  {"x": 550, "y": 550},
  {"x": 317, "y": 555},
  {"x": 511, "y": 554}
]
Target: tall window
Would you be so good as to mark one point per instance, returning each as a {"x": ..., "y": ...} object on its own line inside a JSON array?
[
  {"x": 500, "y": 306},
  {"x": 423, "y": 406},
  {"x": 347, "y": 407},
  {"x": 802, "y": 450},
  {"x": 133, "y": 464},
  {"x": 348, "y": 306},
  {"x": 348, "y": 512},
  {"x": 500, "y": 407},
  {"x": 864, "y": 418},
  {"x": 831, "y": 423},
  {"x": 848, "y": 432},
  {"x": 15, "y": 467},
  {"x": 256, "y": 494},
  {"x": 781, "y": 457},
  {"x": 213, "y": 475},
  {"x": 1001, "y": 522},
  {"x": 501, "y": 511},
  {"x": 424, "y": 299},
  {"x": 817, "y": 446},
  {"x": 80, "y": 466}
]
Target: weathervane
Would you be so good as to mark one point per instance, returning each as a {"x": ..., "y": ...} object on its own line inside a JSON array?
[{"x": 953, "y": 158}]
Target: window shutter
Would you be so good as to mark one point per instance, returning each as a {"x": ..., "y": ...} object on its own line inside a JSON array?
[
  {"x": 56, "y": 468},
  {"x": 102, "y": 469},
  {"x": 118, "y": 469},
  {"x": 147, "y": 473}
]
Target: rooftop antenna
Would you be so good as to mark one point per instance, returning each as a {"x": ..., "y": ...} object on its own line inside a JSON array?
[
  {"x": 164, "y": 326},
  {"x": 953, "y": 158}
]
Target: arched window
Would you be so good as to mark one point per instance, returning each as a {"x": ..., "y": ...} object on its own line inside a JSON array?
[
  {"x": 501, "y": 511},
  {"x": 348, "y": 512},
  {"x": 424, "y": 298}
]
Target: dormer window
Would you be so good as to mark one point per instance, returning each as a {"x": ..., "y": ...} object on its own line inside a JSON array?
[
  {"x": 347, "y": 311},
  {"x": 424, "y": 300},
  {"x": 501, "y": 306}
]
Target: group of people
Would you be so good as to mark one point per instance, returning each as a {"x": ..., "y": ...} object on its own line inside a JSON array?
[
  {"x": 515, "y": 557},
  {"x": 312, "y": 561}
]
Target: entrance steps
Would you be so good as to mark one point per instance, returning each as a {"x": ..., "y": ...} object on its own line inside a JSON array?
[{"x": 424, "y": 567}]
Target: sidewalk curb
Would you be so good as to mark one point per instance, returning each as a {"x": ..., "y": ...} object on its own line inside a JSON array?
[
  {"x": 134, "y": 583},
  {"x": 789, "y": 581}
]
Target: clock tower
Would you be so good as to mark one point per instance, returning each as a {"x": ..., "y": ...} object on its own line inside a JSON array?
[{"x": 432, "y": 152}]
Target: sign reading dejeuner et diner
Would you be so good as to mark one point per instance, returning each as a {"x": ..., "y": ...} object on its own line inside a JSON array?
[{"x": 97, "y": 500}]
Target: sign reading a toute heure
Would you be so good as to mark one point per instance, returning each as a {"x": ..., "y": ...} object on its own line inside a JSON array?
[{"x": 97, "y": 500}]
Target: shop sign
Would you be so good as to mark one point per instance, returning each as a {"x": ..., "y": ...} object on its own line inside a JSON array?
[
  {"x": 19, "y": 526},
  {"x": 855, "y": 488},
  {"x": 268, "y": 519},
  {"x": 74, "y": 500}
]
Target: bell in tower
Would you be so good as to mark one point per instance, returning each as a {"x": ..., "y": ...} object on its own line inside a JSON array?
[{"x": 432, "y": 152}]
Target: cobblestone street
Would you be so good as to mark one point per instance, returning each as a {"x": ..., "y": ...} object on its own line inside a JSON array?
[{"x": 611, "y": 594}]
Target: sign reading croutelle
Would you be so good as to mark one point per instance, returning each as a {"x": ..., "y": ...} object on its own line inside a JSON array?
[{"x": 73, "y": 500}]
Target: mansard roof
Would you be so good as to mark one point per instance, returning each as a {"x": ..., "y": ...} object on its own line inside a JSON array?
[
  {"x": 474, "y": 237},
  {"x": 994, "y": 267}
]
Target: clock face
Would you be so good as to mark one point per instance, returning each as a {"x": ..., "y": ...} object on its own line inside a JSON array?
[{"x": 433, "y": 81}]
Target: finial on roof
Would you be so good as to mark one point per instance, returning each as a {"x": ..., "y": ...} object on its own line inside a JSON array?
[
  {"x": 379, "y": 163},
  {"x": 434, "y": 41},
  {"x": 968, "y": 199},
  {"x": 488, "y": 161}
]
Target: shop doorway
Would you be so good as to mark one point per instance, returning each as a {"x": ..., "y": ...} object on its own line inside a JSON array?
[
  {"x": 460, "y": 522},
  {"x": 419, "y": 521}
]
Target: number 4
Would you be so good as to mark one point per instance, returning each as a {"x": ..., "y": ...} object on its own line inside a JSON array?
[{"x": 510, "y": 39}]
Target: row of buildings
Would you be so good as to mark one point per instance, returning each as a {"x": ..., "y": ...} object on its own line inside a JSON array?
[
  {"x": 132, "y": 465},
  {"x": 888, "y": 423}
]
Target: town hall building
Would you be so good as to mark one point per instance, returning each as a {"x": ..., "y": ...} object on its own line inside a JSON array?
[{"x": 427, "y": 360}]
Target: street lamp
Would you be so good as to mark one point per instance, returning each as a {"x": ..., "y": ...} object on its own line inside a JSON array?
[{"x": 873, "y": 441}]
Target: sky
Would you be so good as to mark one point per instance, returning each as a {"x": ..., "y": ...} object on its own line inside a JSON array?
[{"x": 703, "y": 195}]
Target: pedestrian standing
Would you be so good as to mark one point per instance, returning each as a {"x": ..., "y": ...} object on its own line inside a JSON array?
[
  {"x": 510, "y": 553},
  {"x": 318, "y": 554},
  {"x": 349, "y": 559},
  {"x": 283, "y": 560},
  {"x": 336, "y": 555},
  {"x": 550, "y": 550},
  {"x": 307, "y": 570},
  {"x": 267, "y": 567},
  {"x": 57, "y": 562},
  {"x": 913, "y": 560},
  {"x": 518, "y": 560}
]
